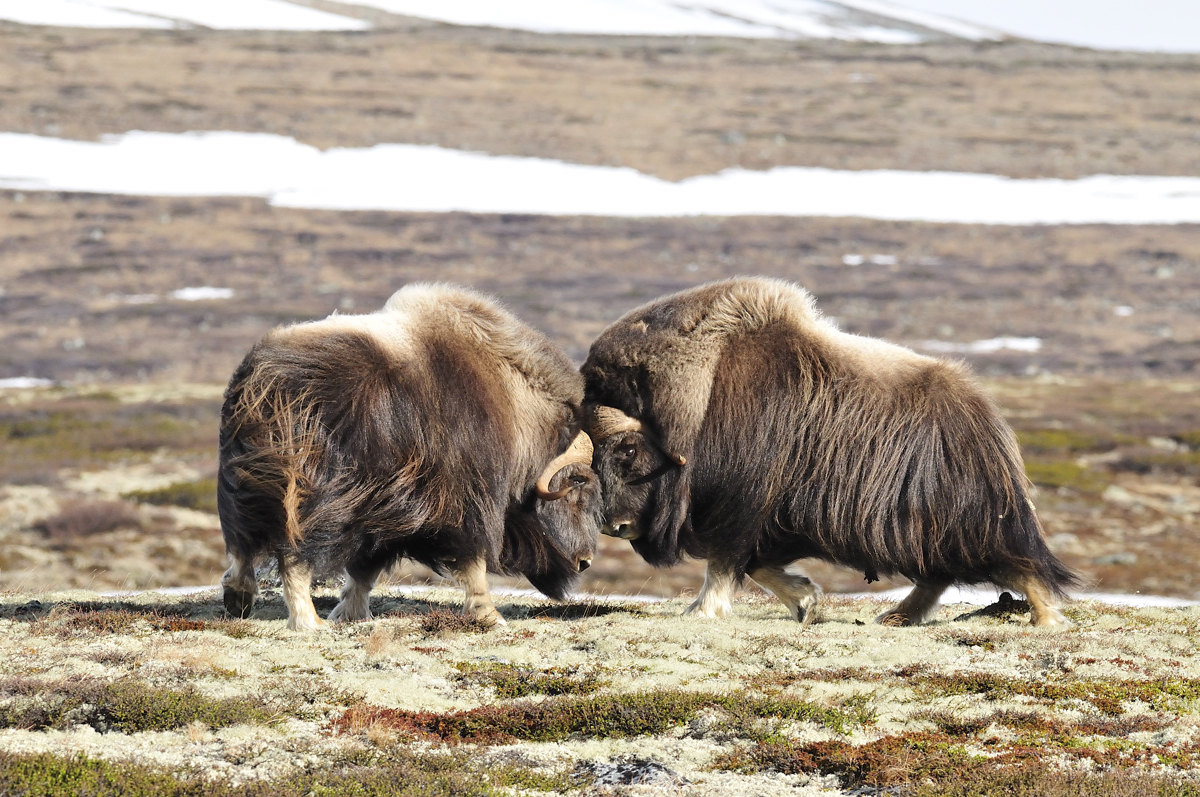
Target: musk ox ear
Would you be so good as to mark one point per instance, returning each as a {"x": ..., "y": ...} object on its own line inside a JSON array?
[
  {"x": 579, "y": 452},
  {"x": 607, "y": 421}
]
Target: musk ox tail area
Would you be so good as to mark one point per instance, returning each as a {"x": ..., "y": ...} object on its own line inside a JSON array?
[{"x": 322, "y": 437}]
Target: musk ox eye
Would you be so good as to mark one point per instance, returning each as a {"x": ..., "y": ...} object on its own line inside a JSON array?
[
  {"x": 627, "y": 451},
  {"x": 578, "y": 480}
]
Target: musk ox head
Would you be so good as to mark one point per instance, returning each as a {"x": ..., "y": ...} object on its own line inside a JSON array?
[
  {"x": 637, "y": 474},
  {"x": 551, "y": 539}
]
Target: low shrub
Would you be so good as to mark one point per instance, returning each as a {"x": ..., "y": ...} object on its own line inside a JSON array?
[
  {"x": 602, "y": 716},
  {"x": 199, "y": 495},
  {"x": 85, "y": 517},
  {"x": 515, "y": 682},
  {"x": 127, "y": 705}
]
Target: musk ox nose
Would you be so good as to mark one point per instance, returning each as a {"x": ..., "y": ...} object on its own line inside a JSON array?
[{"x": 584, "y": 564}]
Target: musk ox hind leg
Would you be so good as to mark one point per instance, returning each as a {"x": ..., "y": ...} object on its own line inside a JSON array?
[
  {"x": 714, "y": 597},
  {"x": 355, "y": 604},
  {"x": 478, "y": 601},
  {"x": 797, "y": 592},
  {"x": 296, "y": 575},
  {"x": 1043, "y": 607},
  {"x": 916, "y": 606},
  {"x": 240, "y": 585}
]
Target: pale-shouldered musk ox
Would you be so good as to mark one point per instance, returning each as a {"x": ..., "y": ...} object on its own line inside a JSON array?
[
  {"x": 440, "y": 428},
  {"x": 732, "y": 423}
]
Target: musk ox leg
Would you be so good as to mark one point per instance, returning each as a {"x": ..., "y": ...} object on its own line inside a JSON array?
[
  {"x": 915, "y": 607},
  {"x": 297, "y": 593},
  {"x": 240, "y": 585},
  {"x": 478, "y": 601},
  {"x": 798, "y": 593},
  {"x": 714, "y": 597},
  {"x": 355, "y": 604},
  {"x": 1043, "y": 608}
]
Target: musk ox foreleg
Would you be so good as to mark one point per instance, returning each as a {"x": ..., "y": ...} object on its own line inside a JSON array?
[
  {"x": 1043, "y": 608},
  {"x": 478, "y": 601},
  {"x": 916, "y": 606},
  {"x": 296, "y": 575},
  {"x": 714, "y": 597},
  {"x": 798, "y": 593},
  {"x": 240, "y": 585}
]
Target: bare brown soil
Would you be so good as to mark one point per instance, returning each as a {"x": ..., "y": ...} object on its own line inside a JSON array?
[
  {"x": 670, "y": 107},
  {"x": 77, "y": 272}
]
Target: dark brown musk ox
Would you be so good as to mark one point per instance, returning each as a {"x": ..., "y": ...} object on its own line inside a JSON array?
[
  {"x": 734, "y": 424},
  {"x": 440, "y": 428}
]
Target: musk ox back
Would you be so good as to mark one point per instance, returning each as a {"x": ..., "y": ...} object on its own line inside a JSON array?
[
  {"x": 732, "y": 423},
  {"x": 440, "y": 428}
]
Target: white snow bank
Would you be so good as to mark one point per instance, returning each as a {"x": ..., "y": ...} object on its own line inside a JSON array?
[
  {"x": 742, "y": 18},
  {"x": 202, "y": 294},
  {"x": 221, "y": 14},
  {"x": 1150, "y": 25},
  {"x": 75, "y": 15},
  {"x": 406, "y": 177},
  {"x": 24, "y": 383},
  {"x": 989, "y": 346}
]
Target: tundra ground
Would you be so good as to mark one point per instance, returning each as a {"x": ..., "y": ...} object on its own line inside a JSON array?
[{"x": 164, "y": 695}]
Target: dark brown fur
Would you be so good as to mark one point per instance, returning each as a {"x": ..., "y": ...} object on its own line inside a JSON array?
[
  {"x": 342, "y": 448},
  {"x": 802, "y": 441}
]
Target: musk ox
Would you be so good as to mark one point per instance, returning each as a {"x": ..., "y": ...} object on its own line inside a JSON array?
[
  {"x": 732, "y": 423},
  {"x": 440, "y": 428}
]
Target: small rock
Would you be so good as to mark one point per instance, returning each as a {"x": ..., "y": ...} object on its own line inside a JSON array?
[
  {"x": 1122, "y": 558},
  {"x": 630, "y": 771}
]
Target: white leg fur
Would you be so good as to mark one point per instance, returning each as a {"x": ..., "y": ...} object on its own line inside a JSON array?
[
  {"x": 355, "y": 604},
  {"x": 297, "y": 594},
  {"x": 477, "y": 600},
  {"x": 1043, "y": 608},
  {"x": 915, "y": 607},
  {"x": 714, "y": 597},
  {"x": 797, "y": 592}
]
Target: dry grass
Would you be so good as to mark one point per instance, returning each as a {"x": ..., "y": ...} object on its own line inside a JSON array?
[{"x": 960, "y": 707}]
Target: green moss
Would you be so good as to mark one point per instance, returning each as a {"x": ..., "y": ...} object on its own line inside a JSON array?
[
  {"x": 38, "y": 440},
  {"x": 516, "y": 682},
  {"x": 200, "y": 495},
  {"x": 1065, "y": 441},
  {"x": 1064, "y": 474},
  {"x": 1107, "y": 696}
]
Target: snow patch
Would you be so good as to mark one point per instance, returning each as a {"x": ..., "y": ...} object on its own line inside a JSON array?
[
  {"x": 218, "y": 14},
  {"x": 758, "y": 19},
  {"x": 405, "y": 177},
  {"x": 24, "y": 383},
  {"x": 990, "y": 346},
  {"x": 202, "y": 294}
]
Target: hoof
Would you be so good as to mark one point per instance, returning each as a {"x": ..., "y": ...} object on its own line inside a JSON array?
[
  {"x": 343, "y": 614},
  {"x": 238, "y": 604},
  {"x": 1052, "y": 619},
  {"x": 895, "y": 620},
  {"x": 306, "y": 623},
  {"x": 697, "y": 610},
  {"x": 489, "y": 617}
]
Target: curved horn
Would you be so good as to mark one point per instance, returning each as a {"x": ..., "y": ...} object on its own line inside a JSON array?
[
  {"x": 580, "y": 451},
  {"x": 608, "y": 421}
]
